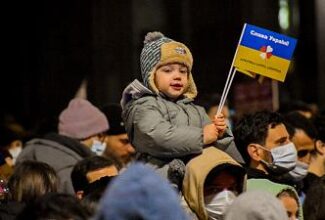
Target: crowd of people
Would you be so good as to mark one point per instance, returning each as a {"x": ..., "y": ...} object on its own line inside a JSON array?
[{"x": 163, "y": 153}]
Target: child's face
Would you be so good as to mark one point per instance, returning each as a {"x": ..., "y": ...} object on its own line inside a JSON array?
[{"x": 172, "y": 79}]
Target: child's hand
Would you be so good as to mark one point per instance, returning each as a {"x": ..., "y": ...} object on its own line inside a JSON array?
[
  {"x": 210, "y": 134},
  {"x": 220, "y": 123}
]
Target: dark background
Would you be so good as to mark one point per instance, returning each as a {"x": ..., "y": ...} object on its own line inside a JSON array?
[{"x": 50, "y": 47}]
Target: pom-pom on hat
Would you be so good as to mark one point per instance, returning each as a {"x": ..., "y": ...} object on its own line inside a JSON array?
[
  {"x": 81, "y": 120},
  {"x": 159, "y": 50}
]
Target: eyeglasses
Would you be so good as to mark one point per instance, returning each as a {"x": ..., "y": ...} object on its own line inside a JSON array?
[{"x": 303, "y": 153}]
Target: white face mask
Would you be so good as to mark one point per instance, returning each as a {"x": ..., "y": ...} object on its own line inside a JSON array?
[
  {"x": 15, "y": 152},
  {"x": 216, "y": 204},
  {"x": 98, "y": 147},
  {"x": 300, "y": 171},
  {"x": 284, "y": 159}
]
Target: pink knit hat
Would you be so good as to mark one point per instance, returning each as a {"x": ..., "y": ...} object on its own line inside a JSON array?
[{"x": 81, "y": 120}]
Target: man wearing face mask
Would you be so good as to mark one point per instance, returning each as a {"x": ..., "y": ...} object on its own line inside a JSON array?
[
  {"x": 212, "y": 181},
  {"x": 304, "y": 135},
  {"x": 263, "y": 140},
  {"x": 316, "y": 169},
  {"x": 80, "y": 134}
]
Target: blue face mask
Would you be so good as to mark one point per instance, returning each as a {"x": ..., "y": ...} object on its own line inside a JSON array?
[
  {"x": 284, "y": 159},
  {"x": 98, "y": 147}
]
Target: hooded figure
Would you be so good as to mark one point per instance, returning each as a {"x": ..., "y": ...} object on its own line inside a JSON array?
[
  {"x": 199, "y": 169},
  {"x": 275, "y": 189},
  {"x": 161, "y": 120},
  {"x": 139, "y": 193}
]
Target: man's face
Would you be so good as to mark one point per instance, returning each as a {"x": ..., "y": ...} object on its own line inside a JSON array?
[
  {"x": 277, "y": 136},
  {"x": 220, "y": 182},
  {"x": 304, "y": 145},
  {"x": 120, "y": 147}
]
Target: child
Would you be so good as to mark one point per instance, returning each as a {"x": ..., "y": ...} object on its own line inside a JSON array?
[{"x": 162, "y": 122}]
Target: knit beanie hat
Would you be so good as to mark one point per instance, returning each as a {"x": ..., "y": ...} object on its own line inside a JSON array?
[
  {"x": 81, "y": 120},
  {"x": 159, "y": 50}
]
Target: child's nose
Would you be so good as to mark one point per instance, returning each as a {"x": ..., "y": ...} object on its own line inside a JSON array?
[{"x": 177, "y": 74}]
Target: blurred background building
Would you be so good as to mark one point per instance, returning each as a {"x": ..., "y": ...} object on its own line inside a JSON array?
[{"x": 54, "y": 48}]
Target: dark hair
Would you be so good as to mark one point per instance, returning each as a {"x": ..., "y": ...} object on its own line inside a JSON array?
[
  {"x": 30, "y": 180},
  {"x": 297, "y": 105},
  {"x": 8, "y": 135},
  {"x": 54, "y": 206},
  {"x": 254, "y": 128},
  {"x": 94, "y": 192},
  {"x": 290, "y": 193},
  {"x": 80, "y": 170},
  {"x": 314, "y": 203},
  {"x": 294, "y": 120},
  {"x": 113, "y": 113},
  {"x": 319, "y": 123}
]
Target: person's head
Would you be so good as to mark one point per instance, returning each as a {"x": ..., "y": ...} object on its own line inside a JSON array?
[
  {"x": 30, "y": 180},
  {"x": 317, "y": 164},
  {"x": 91, "y": 169},
  {"x": 222, "y": 185},
  {"x": 94, "y": 192},
  {"x": 263, "y": 140},
  {"x": 212, "y": 180},
  {"x": 166, "y": 67},
  {"x": 116, "y": 139},
  {"x": 224, "y": 177},
  {"x": 256, "y": 205},
  {"x": 54, "y": 206},
  {"x": 303, "y": 135},
  {"x": 140, "y": 193},
  {"x": 290, "y": 202},
  {"x": 299, "y": 106},
  {"x": 84, "y": 122},
  {"x": 10, "y": 141}
]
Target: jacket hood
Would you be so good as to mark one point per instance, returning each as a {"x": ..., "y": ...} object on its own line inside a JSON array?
[
  {"x": 197, "y": 171},
  {"x": 133, "y": 91},
  {"x": 274, "y": 189}
]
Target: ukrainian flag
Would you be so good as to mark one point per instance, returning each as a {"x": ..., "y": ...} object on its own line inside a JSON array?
[{"x": 264, "y": 52}]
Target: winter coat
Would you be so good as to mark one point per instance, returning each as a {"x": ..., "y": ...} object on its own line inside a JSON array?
[
  {"x": 196, "y": 173},
  {"x": 162, "y": 130},
  {"x": 60, "y": 152}
]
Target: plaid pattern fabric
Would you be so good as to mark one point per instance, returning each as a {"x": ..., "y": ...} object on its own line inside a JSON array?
[{"x": 150, "y": 56}]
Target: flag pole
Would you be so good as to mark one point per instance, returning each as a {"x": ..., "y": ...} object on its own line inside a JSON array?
[{"x": 231, "y": 74}]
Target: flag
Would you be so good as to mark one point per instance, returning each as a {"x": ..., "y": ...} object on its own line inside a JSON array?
[{"x": 264, "y": 52}]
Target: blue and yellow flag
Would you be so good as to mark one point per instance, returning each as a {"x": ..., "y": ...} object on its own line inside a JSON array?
[{"x": 264, "y": 52}]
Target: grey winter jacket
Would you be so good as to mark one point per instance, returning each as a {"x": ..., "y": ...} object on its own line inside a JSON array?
[
  {"x": 163, "y": 130},
  {"x": 60, "y": 152}
]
